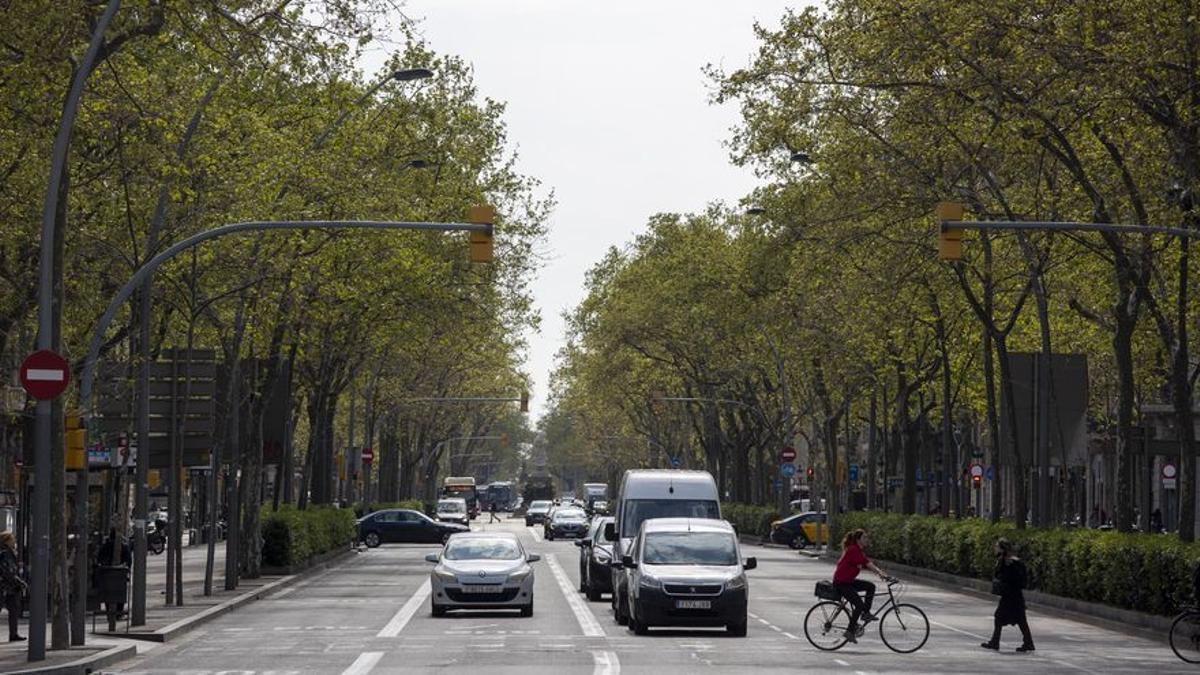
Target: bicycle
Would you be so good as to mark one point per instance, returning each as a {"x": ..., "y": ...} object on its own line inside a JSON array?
[
  {"x": 1185, "y": 635},
  {"x": 903, "y": 627}
]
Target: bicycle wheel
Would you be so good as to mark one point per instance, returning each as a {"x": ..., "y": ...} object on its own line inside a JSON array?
[
  {"x": 904, "y": 628},
  {"x": 825, "y": 625},
  {"x": 1185, "y": 636}
]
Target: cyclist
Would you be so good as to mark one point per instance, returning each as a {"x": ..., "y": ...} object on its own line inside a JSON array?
[{"x": 847, "y": 583}]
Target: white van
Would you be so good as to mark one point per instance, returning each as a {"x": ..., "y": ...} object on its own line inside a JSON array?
[
  {"x": 654, "y": 493},
  {"x": 453, "y": 510}
]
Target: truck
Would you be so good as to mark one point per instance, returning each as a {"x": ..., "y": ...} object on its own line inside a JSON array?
[
  {"x": 538, "y": 487},
  {"x": 594, "y": 492}
]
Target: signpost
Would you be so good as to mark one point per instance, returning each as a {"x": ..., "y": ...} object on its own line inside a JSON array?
[
  {"x": 787, "y": 470},
  {"x": 977, "y": 471},
  {"x": 368, "y": 455},
  {"x": 990, "y": 473},
  {"x": 1169, "y": 476},
  {"x": 45, "y": 375},
  {"x": 853, "y": 473},
  {"x": 787, "y": 455},
  {"x": 676, "y": 462}
]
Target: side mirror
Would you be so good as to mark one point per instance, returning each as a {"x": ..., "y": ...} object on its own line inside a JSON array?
[
  {"x": 532, "y": 557},
  {"x": 627, "y": 561},
  {"x": 581, "y": 542},
  {"x": 750, "y": 563},
  {"x": 610, "y": 532},
  {"x": 432, "y": 557}
]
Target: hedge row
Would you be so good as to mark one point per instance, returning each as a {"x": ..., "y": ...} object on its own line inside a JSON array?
[
  {"x": 413, "y": 504},
  {"x": 749, "y": 519},
  {"x": 1146, "y": 572},
  {"x": 291, "y": 537}
]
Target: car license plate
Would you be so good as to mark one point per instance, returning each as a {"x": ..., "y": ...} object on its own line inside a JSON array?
[
  {"x": 693, "y": 604},
  {"x": 476, "y": 588}
]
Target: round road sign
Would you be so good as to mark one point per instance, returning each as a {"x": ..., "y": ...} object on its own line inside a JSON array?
[
  {"x": 368, "y": 455},
  {"x": 45, "y": 375},
  {"x": 787, "y": 455},
  {"x": 976, "y": 471},
  {"x": 788, "y": 470},
  {"x": 1169, "y": 471},
  {"x": 676, "y": 462}
]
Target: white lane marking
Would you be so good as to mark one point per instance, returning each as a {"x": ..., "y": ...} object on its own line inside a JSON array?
[
  {"x": 363, "y": 664},
  {"x": 402, "y": 617},
  {"x": 959, "y": 630},
  {"x": 583, "y": 613},
  {"x": 791, "y": 636},
  {"x": 841, "y": 662},
  {"x": 535, "y": 533},
  {"x": 607, "y": 663}
]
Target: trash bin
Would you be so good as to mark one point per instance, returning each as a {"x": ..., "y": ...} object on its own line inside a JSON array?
[{"x": 112, "y": 586}]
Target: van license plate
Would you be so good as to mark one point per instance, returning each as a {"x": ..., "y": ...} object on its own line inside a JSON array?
[
  {"x": 693, "y": 604},
  {"x": 481, "y": 589}
]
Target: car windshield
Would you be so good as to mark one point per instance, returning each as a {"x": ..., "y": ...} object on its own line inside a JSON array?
[
  {"x": 689, "y": 548},
  {"x": 539, "y": 506},
  {"x": 570, "y": 514},
  {"x": 638, "y": 510},
  {"x": 478, "y": 548},
  {"x": 451, "y": 507}
]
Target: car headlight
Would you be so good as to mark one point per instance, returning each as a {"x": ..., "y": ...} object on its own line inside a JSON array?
[
  {"x": 518, "y": 576},
  {"x": 650, "y": 582},
  {"x": 446, "y": 575},
  {"x": 736, "y": 583}
]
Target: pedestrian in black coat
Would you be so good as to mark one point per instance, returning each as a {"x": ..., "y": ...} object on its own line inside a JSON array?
[
  {"x": 12, "y": 586},
  {"x": 1008, "y": 582}
]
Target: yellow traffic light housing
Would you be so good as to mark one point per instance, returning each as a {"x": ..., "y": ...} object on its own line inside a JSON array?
[
  {"x": 949, "y": 237},
  {"x": 524, "y": 401},
  {"x": 481, "y": 242},
  {"x": 76, "y": 440}
]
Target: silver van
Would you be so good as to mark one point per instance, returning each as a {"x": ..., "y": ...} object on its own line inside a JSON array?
[{"x": 653, "y": 493}]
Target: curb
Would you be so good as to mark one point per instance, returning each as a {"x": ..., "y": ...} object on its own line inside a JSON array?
[
  {"x": 174, "y": 630},
  {"x": 85, "y": 665}
]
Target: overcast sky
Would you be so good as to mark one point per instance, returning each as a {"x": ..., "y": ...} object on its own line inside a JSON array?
[{"x": 607, "y": 106}]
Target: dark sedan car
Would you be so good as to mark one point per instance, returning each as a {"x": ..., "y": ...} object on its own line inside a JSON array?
[
  {"x": 799, "y": 530},
  {"x": 566, "y": 521},
  {"x": 595, "y": 558},
  {"x": 402, "y": 526}
]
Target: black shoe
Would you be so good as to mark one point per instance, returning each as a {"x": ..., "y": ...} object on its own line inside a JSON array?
[
  {"x": 868, "y": 618},
  {"x": 994, "y": 646},
  {"x": 1025, "y": 648},
  {"x": 16, "y": 638},
  {"x": 850, "y": 635}
]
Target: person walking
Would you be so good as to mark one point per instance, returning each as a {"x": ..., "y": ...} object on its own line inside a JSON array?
[
  {"x": 847, "y": 583},
  {"x": 12, "y": 586},
  {"x": 492, "y": 513},
  {"x": 1008, "y": 582}
]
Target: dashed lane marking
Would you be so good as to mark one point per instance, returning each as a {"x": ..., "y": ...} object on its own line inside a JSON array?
[
  {"x": 535, "y": 533},
  {"x": 606, "y": 663},
  {"x": 363, "y": 664},
  {"x": 840, "y": 662},
  {"x": 583, "y": 613},
  {"x": 406, "y": 613}
]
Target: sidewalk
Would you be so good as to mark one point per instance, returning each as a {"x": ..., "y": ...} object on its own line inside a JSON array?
[{"x": 162, "y": 623}]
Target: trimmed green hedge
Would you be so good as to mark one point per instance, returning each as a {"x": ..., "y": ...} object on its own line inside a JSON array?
[
  {"x": 1146, "y": 572},
  {"x": 291, "y": 537},
  {"x": 749, "y": 519},
  {"x": 414, "y": 504}
]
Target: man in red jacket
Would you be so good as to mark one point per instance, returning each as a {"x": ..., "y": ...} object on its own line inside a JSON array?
[{"x": 846, "y": 581}]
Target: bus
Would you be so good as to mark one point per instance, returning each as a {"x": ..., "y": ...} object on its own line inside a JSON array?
[
  {"x": 502, "y": 494},
  {"x": 464, "y": 488}
]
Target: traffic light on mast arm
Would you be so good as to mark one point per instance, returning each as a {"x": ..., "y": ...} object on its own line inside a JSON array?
[
  {"x": 949, "y": 236},
  {"x": 525, "y": 401},
  {"x": 481, "y": 242},
  {"x": 75, "y": 437}
]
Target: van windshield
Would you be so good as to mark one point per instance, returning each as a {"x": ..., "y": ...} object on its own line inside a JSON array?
[
  {"x": 689, "y": 548},
  {"x": 638, "y": 510}
]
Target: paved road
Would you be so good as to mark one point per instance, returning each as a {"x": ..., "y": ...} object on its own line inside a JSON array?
[{"x": 371, "y": 615}]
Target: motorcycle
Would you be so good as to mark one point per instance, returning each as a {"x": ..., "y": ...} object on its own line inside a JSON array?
[{"x": 156, "y": 538}]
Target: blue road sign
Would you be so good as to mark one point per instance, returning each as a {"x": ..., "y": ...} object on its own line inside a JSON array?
[
  {"x": 989, "y": 474},
  {"x": 853, "y": 473},
  {"x": 778, "y": 484},
  {"x": 676, "y": 462},
  {"x": 920, "y": 474},
  {"x": 788, "y": 470}
]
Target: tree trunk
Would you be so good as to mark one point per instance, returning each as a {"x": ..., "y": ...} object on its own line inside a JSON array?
[
  {"x": 1017, "y": 474},
  {"x": 1123, "y": 350}
]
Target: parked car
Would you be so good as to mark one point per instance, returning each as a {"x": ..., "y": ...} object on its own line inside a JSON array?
[
  {"x": 595, "y": 560},
  {"x": 482, "y": 570},
  {"x": 403, "y": 526},
  {"x": 654, "y": 493},
  {"x": 687, "y": 572},
  {"x": 453, "y": 510},
  {"x": 536, "y": 515},
  {"x": 566, "y": 521},
  {"x": 799, "y": 530}
]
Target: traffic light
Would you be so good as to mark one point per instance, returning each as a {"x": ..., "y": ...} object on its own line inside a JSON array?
[
  {"x": 524, "y": 401},
  {"x": 810, "y": 472},
  {"x": 949, "y": 237},
  {"x": 76, "y": 438},
  {"x": 481, "y": 242},
  {"x": 976, "y": 481}
]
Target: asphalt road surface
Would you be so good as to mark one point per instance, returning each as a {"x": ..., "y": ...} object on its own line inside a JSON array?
[{"x": 371, "y": 614}]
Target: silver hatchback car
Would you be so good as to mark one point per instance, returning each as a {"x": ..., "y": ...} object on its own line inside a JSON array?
[{"x": 482, "y": 570}]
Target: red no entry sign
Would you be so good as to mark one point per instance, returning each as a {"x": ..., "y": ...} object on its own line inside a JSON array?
[
  {"x": 368, "y": 455},
  {"x": 45, "y": 375},
  {"x": 787, "y": 455}
]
